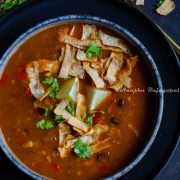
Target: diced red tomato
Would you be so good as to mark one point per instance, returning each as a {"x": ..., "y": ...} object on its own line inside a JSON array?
[
  {"x": 103, "y": 168},
  {"x": 28, "y": 92},
  {"x": 15, "y": 92},
  {"x": 21, "y": 142},
  {"x": 97, "y": 118},
  {"x": 4, "y": 79},
  {"x": 51, "y": 168},
  {"x": 20, "y": 72},
  {"x": 55, "y": 167}
]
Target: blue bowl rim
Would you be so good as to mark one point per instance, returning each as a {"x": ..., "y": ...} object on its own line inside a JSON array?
[{"x": 113, "y": 26}]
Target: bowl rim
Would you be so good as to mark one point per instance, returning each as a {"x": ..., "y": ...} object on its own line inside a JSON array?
[{"x": 110, "y": 25}]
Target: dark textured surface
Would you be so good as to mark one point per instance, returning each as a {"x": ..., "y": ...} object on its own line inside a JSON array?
[{"x": 170, "y": 24}]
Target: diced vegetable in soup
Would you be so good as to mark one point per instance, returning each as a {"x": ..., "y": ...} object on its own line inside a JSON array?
[{"x": 62, "y": 109}]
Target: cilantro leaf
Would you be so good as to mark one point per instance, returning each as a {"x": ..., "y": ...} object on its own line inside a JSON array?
[
  {"x": 93, "y": 51},
  {"x": 81, "y": 149},
  {"x": 48, "y": 80},
  {"x": 58, "y": 118},
  {"x": 54, "y": 86},
  {"x": 89, "y": 120},
  {"x": 160, "y": 3},
  {"x": 46, "y": 111},
  {"x": 71, "y": 109},
  {"x": 7, "y": 5},
  {"x": 44, "y": 124}
]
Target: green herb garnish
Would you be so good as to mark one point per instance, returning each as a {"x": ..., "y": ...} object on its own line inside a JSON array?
[
  {"x": 7, "y": 5},
  {"x": 93, "y": 51},
  {"x": 54, "y": 86},
  {"x": 58, "y": 118},
  {"x": 71, "y": 109},
  {"x": 44, "y": 124},
  {"x": 48, "y": 80},
  {"x": 160, "y": 3},
  {"x": 46, "y": 111},
  {"x": 81, "y": 149},
  {"x": 89, "y": 120}
]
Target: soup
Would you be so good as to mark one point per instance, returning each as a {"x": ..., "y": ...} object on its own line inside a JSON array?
[{"x": 67, "y": 109}]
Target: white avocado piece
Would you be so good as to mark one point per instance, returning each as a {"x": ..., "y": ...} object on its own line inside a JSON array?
[
  {"x": 69, "y": 90},
  {"x": 96, "y": 96}
]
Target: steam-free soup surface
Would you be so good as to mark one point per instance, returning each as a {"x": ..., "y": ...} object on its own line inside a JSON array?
[{"x": 124, "y": 113}]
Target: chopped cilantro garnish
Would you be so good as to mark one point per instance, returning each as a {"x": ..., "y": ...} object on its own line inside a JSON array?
[
  {"x": 57, "y": 118},
  {"x": 81, "y": 149},
  {"x": 54, "y": 86},
  {"x": 44, "y": 124},
  {"x": 160, "y": 3},
  {"x": 48, "y": 80},
  {"x": 70, "y": 108},
  {"x": 7, "y": 5},
  {"x": 93, "y": 51},
  {"x": 51, "y": 107},
  {"x": 46, "y": 111},
  {"x": 89, "y": 120}
]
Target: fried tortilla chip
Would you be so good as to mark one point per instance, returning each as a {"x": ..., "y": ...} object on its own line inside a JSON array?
[{"x": 166, "y": 7}]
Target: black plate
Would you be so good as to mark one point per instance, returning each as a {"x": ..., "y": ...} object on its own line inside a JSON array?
[{"x": 33, "y": 12}]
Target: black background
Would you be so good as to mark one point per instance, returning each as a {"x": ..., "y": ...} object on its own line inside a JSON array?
[{"x": 169, "y": 23}]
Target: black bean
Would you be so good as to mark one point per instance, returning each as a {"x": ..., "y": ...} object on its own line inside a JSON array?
[
  {"x": 41, "y": 111},
  {"x": 114, "y": 120},
  {"x": 102, "y": 156},
  {"x": 121, "y": 102},
  {"x": 54, "y": 138}
]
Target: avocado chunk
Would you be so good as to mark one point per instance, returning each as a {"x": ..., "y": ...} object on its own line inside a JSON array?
[
  {"x": 96, "y": 96},
  {"x": 69, "y": 90}
]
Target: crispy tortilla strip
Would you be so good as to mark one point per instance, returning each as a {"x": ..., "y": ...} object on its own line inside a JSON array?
[
  {"x": 72, "y": 32},
  {"x": 111, "y": 48},
  {"x": 89, "y": 32},
  {"x": 63, "y": 151},
  {"x": 122, "y": 81},
  {"x": 98, "y": 130},
  {"x": 43, "y": 65},
  {"x": 108, "y": 40},
  {"x": 34, "y": 68},
  {"x": 166, "y": 7},
  {"x": 80, "y": 44},
  {"x": 107, "y": 64},
  {"x": 77, "y": 70},
  {"x": 135, "y": 131},
  {"x": 99, "y": 146},
  {"x": 86, "y": 139},
  {"x": 115, "y": 134},
  {"x": 73, "y": 121},
  {"x": 61, "y": 57},
  {"x": 79, "y": 131},
  {"x": 68, "y": 59},
  {"x": 112, "y": 70},
  {"x": 113, "y": 55},
  {"x": 98, "y": 65},
  {"x": 64, "y": 130},
  {"x": 133, "y": 60},
  {"x": 81, "y": 56},
  {"x": 69, "y": 137},
  {"x": 61, "y": 106},
  {"x": 123, "y": 77},
  {"x": 139, "y": 2},
  {"x": 94, "y": 75},
  {"x": 81, "y": 107}
]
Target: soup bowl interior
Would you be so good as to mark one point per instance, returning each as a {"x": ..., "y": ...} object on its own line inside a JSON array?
[{"x": 150, "y": 69}]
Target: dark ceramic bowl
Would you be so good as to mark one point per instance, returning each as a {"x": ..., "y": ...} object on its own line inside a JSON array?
[{"x": 134, "y": 42}]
